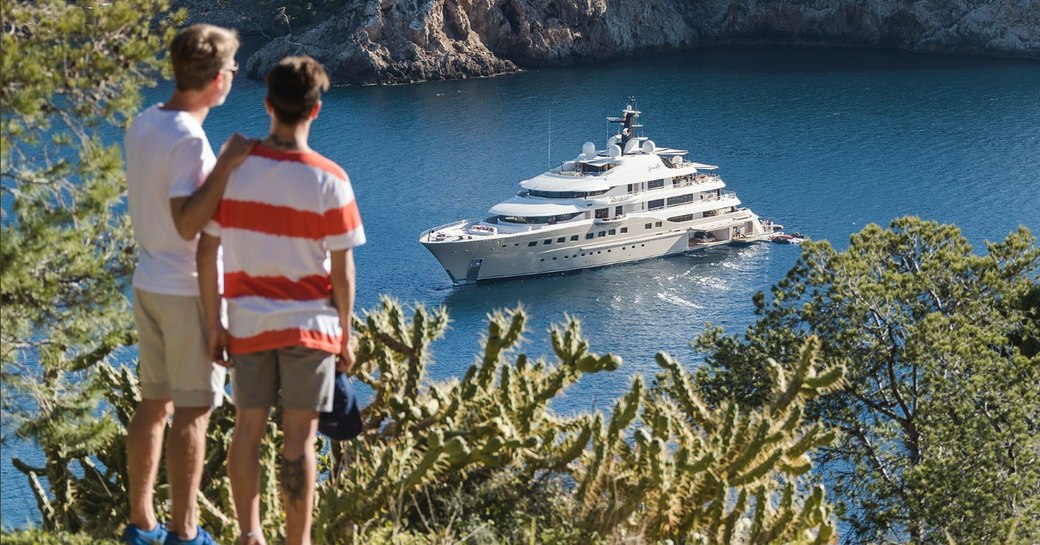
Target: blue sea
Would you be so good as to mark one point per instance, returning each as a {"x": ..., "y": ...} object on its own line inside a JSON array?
[{"x": 824, "y": 141}]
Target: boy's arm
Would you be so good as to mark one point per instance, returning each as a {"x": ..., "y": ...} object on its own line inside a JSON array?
[
  {"x": 206, "y": 261},
  {"x": 342, "y": 279},
  {"x": 190, "y": 214}
]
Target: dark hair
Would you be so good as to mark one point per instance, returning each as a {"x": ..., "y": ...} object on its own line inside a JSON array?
[
  {"x": 199, "y": 52},
  {"x": 294, "y": 86}
]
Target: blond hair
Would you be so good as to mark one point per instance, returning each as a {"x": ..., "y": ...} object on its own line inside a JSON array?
[
  {"x": 294, "y": 86},
  {"x": 199, "y": 53}
]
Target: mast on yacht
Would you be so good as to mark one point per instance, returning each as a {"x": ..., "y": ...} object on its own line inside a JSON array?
[{"x": 628, "y": 122}]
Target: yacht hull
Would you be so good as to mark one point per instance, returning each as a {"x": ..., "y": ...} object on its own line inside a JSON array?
[{"x": 472, "y": 259}]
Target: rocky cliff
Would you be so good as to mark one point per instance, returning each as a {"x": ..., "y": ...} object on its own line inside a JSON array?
[{"x": 397, "y": 41}]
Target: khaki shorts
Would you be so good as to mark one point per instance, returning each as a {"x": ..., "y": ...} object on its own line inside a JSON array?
[
  {"x": 304, "y": 376},
  {"x": 174, "y": 363}
]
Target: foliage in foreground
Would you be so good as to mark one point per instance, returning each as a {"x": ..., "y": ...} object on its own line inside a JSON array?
[
  {"x": 42, "y": 537},
  {"x": 940, "y": 415},
  {"x": 70, "y": 70},
  {"x": 438, "y": 459}
]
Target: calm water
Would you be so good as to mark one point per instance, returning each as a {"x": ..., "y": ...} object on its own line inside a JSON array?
[{"x": 823, "y": 141}]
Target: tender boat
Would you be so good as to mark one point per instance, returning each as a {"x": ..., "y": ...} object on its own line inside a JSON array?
[
  {"x": 627, "y": 202},
  {"x": 784, "y": 238}
]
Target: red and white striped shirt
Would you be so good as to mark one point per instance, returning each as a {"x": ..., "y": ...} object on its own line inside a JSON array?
[{"x": 281, "y": 214}]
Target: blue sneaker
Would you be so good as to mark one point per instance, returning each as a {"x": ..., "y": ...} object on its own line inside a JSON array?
[
  {"x": 136, "y": 536},
  {"x": 202, "y": 538}
]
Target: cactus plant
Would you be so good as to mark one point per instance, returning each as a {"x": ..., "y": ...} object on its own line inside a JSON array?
[{"x": 662, "y": 465}]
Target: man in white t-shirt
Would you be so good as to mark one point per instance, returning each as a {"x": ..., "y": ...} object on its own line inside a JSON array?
[{"x": 174, "y": 185}]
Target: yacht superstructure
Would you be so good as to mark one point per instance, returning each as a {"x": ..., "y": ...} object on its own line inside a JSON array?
[{"x": 627, "y": 202}]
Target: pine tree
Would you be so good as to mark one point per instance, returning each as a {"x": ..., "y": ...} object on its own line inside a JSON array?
[
  {"x": 940, "y": 418},
  {"x": 70, "y": 71}
]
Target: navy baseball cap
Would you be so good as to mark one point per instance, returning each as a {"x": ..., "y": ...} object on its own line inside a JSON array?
[{"x": 344, "y": 420}]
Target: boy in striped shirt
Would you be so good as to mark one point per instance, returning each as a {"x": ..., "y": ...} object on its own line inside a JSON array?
[{"x": 288, "y": 223}]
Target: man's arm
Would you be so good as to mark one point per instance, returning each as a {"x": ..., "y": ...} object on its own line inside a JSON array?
[
  {"x": 342, "y": 279},
  {"x": 206, "y": 261},
  {"x": 190, "y": 214}
]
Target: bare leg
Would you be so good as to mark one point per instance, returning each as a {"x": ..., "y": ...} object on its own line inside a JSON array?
[
  {"x": 144, "y": 441},
  {"x": 185, "y": 454},
  {"x": 244, "y": 469},
  {"x": 299, "y": 470}
]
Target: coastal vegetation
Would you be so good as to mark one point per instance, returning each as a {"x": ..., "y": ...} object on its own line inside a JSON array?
[
  {"x": 939, "y": 418},
  {"x": 69, "y": 70},
  {"x": 891, "y": 389}
]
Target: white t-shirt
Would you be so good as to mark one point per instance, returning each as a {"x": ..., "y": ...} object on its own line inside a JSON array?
[{"x": 167, "y": 156}]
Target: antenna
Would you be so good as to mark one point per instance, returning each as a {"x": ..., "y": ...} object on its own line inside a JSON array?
[{"x": 548, "y": 157}]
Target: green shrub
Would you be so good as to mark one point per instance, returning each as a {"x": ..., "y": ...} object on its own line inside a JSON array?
[
  {"x": 484, "y": 458},
  {"x": 43, "y": 537}
]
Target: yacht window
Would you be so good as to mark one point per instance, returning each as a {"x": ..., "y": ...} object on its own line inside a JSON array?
[
  {"x": 647, "y": 226},
  {"x": 618, "y": 210},
  {"x": 589, "y": 236},
  {"x": 655, "y": 204},
  {"x": 547, "y": 241},
  {"x": 602, "y": 213},
  {"x": 655, "y": 184},
  {"x": 574, "y": 237},
  {"x": 630, "y": 186},
  {"x": 532, "y": 243},
  {"x": 623, "y": 231},
  {"x": 561, "y": 239},
  {"x": 684, "y": 217},
  {"x": 536, "y": 219},
  {"x": 562, "y": 194},
  {"x": 601, "y": 234},
  {"x": 588, "y": 167},
  {"x": 612, "y": 232},
  {"x": 680, "y": 199},
  {"x": 657, "y": 224}
]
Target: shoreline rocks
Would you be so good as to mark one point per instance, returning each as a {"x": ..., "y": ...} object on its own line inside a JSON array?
[{"x": 406, "y": 41}]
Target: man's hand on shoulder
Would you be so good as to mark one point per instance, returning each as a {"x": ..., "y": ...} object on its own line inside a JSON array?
[
  {"x": 190, "y": 214},
  {"x": 235, "y": 149}
]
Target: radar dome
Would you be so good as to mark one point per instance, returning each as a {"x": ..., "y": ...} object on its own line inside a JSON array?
[
  {"x": 649, "y": 146},
  {"x": 613, "y": 140},
  {"x": 614, "y": 150},
  {"x": 588, "y": 150},
  {"x": 631, "y": 146}
]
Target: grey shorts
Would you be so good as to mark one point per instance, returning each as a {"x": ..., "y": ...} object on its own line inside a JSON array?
[
  {"x": 173, "y": 362},
  {"x": 304, "y": 376}
]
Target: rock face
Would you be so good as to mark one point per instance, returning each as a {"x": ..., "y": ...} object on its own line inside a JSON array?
[
  {"x": 399, "y": 41},
  {"x": 391, "y": 42}
]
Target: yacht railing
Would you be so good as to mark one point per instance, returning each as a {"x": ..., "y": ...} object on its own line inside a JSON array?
[
  {"x": 678, "y": 182},
  {"x": 723, "y": 194},
  {"x": 688, "y": 180}
]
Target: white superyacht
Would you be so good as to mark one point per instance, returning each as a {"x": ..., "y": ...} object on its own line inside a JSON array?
[{"x": 628, "y": 202}]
